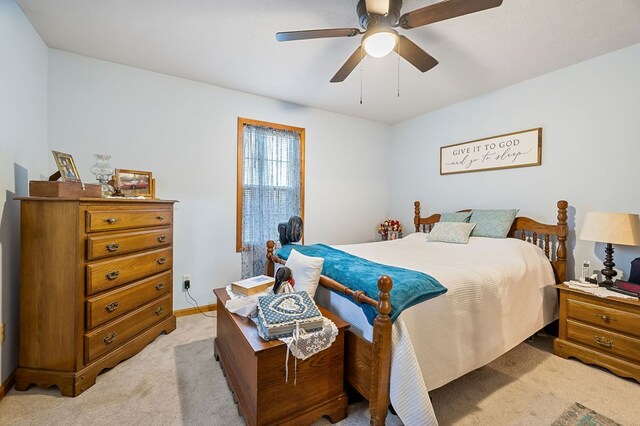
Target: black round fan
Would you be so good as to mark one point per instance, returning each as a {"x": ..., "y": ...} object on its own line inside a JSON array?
[{"x": 291, "y": 231}]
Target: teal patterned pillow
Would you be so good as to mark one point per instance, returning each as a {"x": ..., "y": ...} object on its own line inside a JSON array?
[
  {"x": 492, "y": 223},
  {"x": 451, "y": 232},
  {"x": 455, "y": 217}
]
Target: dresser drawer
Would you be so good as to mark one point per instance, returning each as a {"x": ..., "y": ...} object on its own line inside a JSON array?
[
  {"x": 114, "y": 272},
  {"x": 603, "y": 316},
  {"x": 101, "y": 246},
  {"x": 604, "y": 341},
  {"x": 106, "y": 307},
  {"x": 117, "y": 332},
  {"x": 107, "y": 220}
]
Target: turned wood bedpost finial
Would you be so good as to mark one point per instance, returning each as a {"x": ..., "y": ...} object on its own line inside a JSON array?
[
  {"x": 381, "y": 356},
  {"x": 384, "y": 285},
  {"x": 269, "y": 269},
  {"x": 416, "y": 215},
  {"x": 563, "y": 231}
]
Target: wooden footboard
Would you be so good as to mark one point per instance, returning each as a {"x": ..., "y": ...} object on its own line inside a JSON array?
[{"x": 368, "y": 364}]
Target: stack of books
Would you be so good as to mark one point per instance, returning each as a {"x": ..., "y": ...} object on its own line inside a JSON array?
[
  {"x": 280, "y": 314},
  {"x": 253, "y": 285}
]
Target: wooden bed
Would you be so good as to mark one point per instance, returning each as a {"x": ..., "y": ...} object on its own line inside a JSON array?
[{"x": 368, "y": 364}]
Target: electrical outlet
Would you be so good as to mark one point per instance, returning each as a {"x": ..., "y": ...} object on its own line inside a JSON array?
[
  {"x": 186, "y": 281},
  {"x": 1, "y": 334}
]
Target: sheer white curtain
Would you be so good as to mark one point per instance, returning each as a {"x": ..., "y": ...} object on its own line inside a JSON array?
[{"x": 270, "y": 190}]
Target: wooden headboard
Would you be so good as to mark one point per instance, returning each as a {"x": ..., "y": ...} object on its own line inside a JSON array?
[{"x": 543, "y": 235}]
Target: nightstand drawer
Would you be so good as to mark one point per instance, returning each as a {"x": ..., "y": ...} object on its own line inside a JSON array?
[
  {"x": 603, "y": 316},
  {"x": 603, "y": 340},
  {"x": 99, "y": 245}
]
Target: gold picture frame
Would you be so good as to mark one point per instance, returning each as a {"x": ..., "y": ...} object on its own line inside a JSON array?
[
  {"x": 66, "y": 167},
  {"x": 134, "y": 183}
]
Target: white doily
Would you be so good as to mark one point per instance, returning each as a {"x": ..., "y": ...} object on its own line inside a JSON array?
[
  {"x": 599, "y": 291},
  {"x": 310, "y": 343}
]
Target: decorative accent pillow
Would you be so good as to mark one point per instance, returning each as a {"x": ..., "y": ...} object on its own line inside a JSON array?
[
  {"x": 455, "y": 217},
  {"x": 305, "y": 271},
  {"x": 492, "y": 223},
  {"x": 451, "y": 232}
]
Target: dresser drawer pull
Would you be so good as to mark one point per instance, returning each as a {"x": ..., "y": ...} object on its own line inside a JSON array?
[
  {"x": 159, "y": 286},
  {"x": 112, "y": 307},
  {"x": 162, "y": 238},
  {"x": 160, "y": 218},
  {"x": 113, "y": 247},
  {"x": 162, "y": 261},
  {"x": 159, "y": 310},
  {"x": 111, "y": 220},
  {"x": 603, "y": 342},
  {"x": 605, "y": 318},
  {"x": 113, "y": 275},
  {"x": 109, "y": 338}
]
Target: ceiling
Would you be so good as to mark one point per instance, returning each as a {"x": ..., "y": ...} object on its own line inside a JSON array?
[{"x": 232, "y": 44}]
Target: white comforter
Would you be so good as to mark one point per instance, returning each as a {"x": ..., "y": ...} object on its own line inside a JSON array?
[{"x": 499, "y": 293}]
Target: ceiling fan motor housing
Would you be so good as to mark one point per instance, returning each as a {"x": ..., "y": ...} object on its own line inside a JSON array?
[{"x": 388, "y": 20}]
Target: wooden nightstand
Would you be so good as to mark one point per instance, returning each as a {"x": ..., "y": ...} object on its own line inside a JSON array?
[
  {"x": 255, "y": 372},
  {"x": 601, "y": 331}
]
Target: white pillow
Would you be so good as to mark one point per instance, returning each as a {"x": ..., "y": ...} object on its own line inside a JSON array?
[
  {"x": 451, "y": 232},
  {"x": 305, "y": 271}
]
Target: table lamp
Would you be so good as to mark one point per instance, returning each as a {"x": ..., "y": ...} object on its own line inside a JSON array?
[{"x": 611, "y": 228}]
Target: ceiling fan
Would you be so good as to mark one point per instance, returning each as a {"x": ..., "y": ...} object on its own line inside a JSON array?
[{"x": 378, "y": 18}]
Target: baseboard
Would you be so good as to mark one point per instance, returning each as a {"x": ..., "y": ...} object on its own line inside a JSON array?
[
  {"x": 191, "y": 311},
  {"x": 8, "y": 384}
]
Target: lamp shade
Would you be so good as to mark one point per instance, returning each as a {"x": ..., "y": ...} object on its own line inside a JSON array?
[{"x": 614, "y": 228}]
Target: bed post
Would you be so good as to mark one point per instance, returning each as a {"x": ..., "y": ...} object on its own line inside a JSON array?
[
  {"x": 416, "y": 215},
  {"x": 561, "y": 253},
  {"x": 381, "y": 355},
  {"x": 269, "y": 268}
]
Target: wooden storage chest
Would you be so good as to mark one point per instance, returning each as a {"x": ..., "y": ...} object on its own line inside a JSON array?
[{"x": 255, "y": 372}]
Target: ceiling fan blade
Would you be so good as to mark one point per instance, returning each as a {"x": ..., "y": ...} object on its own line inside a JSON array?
[
  {"x": 444, "y": 10},
  {"x": 380, "y": 7},
  {"x": 309, "y": 34},
  {"x": 415, "y": 55},
  {"x": 348, "y": 66}
]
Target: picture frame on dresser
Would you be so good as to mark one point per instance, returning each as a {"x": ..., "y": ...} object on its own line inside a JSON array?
[
  {"x": 134, "y": 183},
  {"x": 66, "y": 167}
]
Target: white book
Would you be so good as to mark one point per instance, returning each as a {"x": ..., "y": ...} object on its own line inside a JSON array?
[{"x": 253, "y": 285}]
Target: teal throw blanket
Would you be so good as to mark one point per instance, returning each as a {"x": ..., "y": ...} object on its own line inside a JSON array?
[{"x": 409, "y": 287}]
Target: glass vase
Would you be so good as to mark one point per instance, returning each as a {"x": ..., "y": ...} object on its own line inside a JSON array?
[{"x": 103, "y": 171}]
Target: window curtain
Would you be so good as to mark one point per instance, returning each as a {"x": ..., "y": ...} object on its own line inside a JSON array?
[{"x": 270, "y": 190}]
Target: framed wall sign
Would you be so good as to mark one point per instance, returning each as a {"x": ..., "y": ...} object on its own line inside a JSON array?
[{"x": 518, "y": 149}]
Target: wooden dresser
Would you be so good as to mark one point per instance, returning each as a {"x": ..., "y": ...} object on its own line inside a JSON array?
[
  {"x": 600, "y": 331},
  {"x": 95, "y": 286}
]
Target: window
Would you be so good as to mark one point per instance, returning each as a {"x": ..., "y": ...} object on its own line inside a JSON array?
[{"x": 270, "y": 186}]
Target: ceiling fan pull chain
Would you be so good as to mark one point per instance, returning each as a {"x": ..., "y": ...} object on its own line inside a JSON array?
[
  {"x": 361, "y": 57},
  {"x": 398, "y": 70}
]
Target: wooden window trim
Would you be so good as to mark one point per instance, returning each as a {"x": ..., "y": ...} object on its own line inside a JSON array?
[{"x": 241, "y": 122}]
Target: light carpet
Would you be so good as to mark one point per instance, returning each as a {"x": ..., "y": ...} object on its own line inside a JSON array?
[{"x": 175, "y": 380}]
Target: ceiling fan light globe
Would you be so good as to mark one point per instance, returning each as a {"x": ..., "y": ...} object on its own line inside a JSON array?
[{"x": 380, "y": 43}]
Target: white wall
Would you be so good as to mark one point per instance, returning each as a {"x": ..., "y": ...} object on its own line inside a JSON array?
[
  {"x": 23, "y": 154},
  {"x": 185, "y": 133},
  {"x": 590, "y": 147}
]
